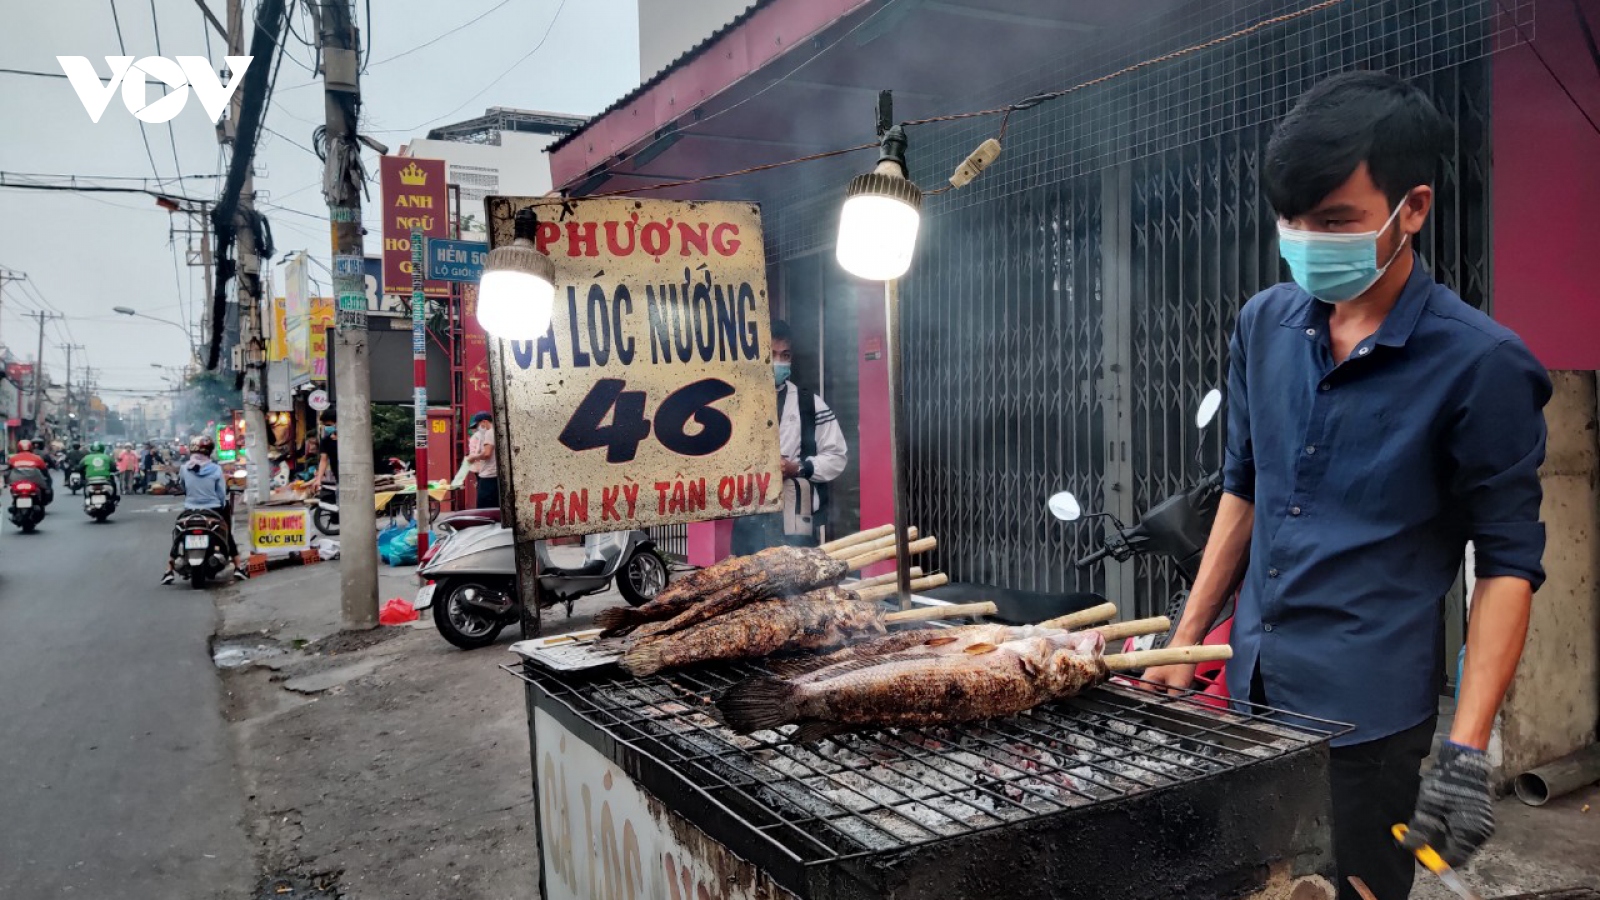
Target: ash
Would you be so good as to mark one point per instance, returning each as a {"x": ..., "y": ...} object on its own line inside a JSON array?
[{"x": 891, "y": 788}]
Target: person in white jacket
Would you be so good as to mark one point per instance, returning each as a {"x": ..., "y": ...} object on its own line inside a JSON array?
[{"x": 814, "y": 453}]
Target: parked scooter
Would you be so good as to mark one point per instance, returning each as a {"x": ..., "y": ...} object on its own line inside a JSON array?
[
  {"x": 100, "y": 499},
  {"x": 1177, "y": 529},
  {"x": 200, "y": 546},
  {"x": 472, "y": 579},
  {"x": 326, "y": 515}
]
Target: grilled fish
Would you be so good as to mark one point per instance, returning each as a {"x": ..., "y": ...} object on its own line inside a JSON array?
[
  {"x": 728, "y": 585},
  {"x": 822, "y": 618},
  {"x": 982, "y": 681}
]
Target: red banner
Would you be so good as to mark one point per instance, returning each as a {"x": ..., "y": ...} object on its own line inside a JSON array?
[
  {"x": 475, "y": 356},
  {"x": 414, "y": 196}
]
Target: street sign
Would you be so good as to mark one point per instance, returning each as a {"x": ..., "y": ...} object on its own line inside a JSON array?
[
  {"x": 318, "y": 400},
  {"x": 650, "y": 399},
  {"x": 450, "y": 260},
  {"x": 415, "y": 197}
]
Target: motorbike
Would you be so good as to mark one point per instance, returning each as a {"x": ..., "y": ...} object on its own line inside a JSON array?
[
  {"x": 1175, "y": 529},
  {"x": 75, "y": 480},
  {"x": 200, "y": 546},
  {"x": 472, "y": 579},
  {"x": 27, "y": 503},
  {"x": 100, "y": 499},
  {"x": 326, "y": 516}
]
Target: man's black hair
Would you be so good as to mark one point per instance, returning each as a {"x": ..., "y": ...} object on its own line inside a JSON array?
[
  {"x": 328, "y": 416},
  {"x": 1356, "y": 117},
  {"x": 780, "y": 331}
]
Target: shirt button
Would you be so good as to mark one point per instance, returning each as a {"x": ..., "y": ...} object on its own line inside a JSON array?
[
  {"x": 1325, "y": 386},
  {"x": 1311, "y": 332},
  {"x": 1267, "y": 627},
  {"x": 1311, "y": 449},
  {"x": 1294, "y": 510},
  {"x": 1272, "y": 573}
]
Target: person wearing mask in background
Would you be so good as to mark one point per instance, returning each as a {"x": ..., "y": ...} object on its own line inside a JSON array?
[
  {"x": 481, "y": 459},
  {"x": 814, "y": 453},
  {"x": 1376, "y": 424},
  {"x": 328, "y": 460},
  {"x": 205, "y": 488},
  {"x": 127, "y": 464}
]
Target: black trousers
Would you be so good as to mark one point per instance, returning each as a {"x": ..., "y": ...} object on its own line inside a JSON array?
[{"x": 1375, "y": 786}]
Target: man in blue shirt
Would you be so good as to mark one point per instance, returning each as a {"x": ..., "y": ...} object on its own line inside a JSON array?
[{"x": 1376, "y": 424}]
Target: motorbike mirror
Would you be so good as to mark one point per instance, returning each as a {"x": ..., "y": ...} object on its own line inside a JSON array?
[
  {"x": 1064, "y": 506},
  {"x": 1209, "y": 404}
]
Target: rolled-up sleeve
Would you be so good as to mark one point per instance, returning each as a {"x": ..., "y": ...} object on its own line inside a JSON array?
[
  {"x": 1239, "y": 462},
  {"x": 1497, "y": 443}
]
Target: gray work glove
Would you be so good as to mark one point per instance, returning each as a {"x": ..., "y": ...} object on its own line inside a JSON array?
[{"x": 1455, "y": 814}]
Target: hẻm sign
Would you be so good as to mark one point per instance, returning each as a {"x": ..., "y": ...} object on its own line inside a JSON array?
[
  {"x": 415, "y": 197},
  {"x": 650, "y": 399},
  {"x": 462, "y": 261},
  {"x": 280, "y": 530}
]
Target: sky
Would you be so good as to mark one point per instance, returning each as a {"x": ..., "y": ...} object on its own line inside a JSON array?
[{"x": 86, "y": 253}]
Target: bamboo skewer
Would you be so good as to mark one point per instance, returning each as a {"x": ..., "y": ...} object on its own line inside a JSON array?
[
  {"x": 857, "y": 563},
  {"x": 1135, "y": 628},
  {"x": 1144, "y": 659},
  {"x": 859, "y": 537},
  {"x": 873, "y": 545},
  {"x": 891, "y": 578},
  {"x": 1094, "y": 615},
  {"x": 889, "y": 590},
  {"x": 941, "y": 611}
]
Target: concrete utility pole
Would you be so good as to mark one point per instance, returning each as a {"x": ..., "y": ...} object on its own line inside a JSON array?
[
  {"x": 72, "y": 408},
  {"x": 249, "y": 281},
  {"x": 38, "y": 371},
  {"x": 352, "y": 375}
]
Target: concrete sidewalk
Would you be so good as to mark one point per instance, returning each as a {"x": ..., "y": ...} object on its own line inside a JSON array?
[{"x": 383, "y": 764}]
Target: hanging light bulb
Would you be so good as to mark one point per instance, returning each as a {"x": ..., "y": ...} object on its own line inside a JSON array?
[
  {"x": 518, "y": 288},
  {"x": 881, "y": 215}
]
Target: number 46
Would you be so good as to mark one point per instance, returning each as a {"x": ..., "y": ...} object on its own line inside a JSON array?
[{"x": 586, "y": 430}]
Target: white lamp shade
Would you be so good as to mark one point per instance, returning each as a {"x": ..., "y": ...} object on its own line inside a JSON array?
[
  {"x": 515, "y": 305},
  {"x": 877, "y": 236}
]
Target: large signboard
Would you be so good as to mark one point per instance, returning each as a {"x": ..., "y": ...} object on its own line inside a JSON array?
[
  {"x": 414, "y": 197},
  {"x": 650, "y": 399},
  {"x": 322, "y": 319},
  {"x": 297, "y": 315}
]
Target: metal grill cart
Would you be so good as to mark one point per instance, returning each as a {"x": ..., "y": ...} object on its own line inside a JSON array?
[{"x": 1118, "y": 793}]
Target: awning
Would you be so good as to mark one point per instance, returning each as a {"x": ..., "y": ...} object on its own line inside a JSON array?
[{"x": 790, "y": 78}]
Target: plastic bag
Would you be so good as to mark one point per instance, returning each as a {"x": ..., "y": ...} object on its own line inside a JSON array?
[{"x": 397, "y": 612}]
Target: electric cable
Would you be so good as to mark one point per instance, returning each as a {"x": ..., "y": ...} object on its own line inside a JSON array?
[
  {"x": 434, "y": 40},
  {"x": 123, "y": 47},
  {"x": 501, "y": 77}
]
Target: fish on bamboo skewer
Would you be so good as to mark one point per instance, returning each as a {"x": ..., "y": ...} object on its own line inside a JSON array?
[
  {"x": 762, "y": 586},
  {"x": 817, "y": 620},
  {"x": 802, "y": 567},
  {"x": 982, "y": 681}
]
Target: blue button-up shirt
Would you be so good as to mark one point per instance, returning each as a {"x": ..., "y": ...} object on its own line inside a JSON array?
[{"x": 1368, "y": 478}]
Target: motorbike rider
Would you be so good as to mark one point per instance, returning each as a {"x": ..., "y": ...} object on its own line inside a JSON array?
[
  {"x": 205, "y": 488},
  {"x": 26, "y": 464},
  {"x": 97, "y": 466},
  {"x": 75, "y": 458}
]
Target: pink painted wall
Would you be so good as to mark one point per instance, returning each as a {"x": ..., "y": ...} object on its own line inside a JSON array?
[{"x": 1546, "y": 191}]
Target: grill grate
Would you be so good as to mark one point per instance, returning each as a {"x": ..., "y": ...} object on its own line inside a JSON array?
[{"x": 890, "y": 789}]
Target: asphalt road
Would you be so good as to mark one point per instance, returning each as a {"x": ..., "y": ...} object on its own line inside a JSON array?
[{"x": 116, "y": 776}]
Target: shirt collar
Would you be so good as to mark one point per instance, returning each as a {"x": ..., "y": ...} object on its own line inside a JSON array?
[{"x": 1309, "y": 312}]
